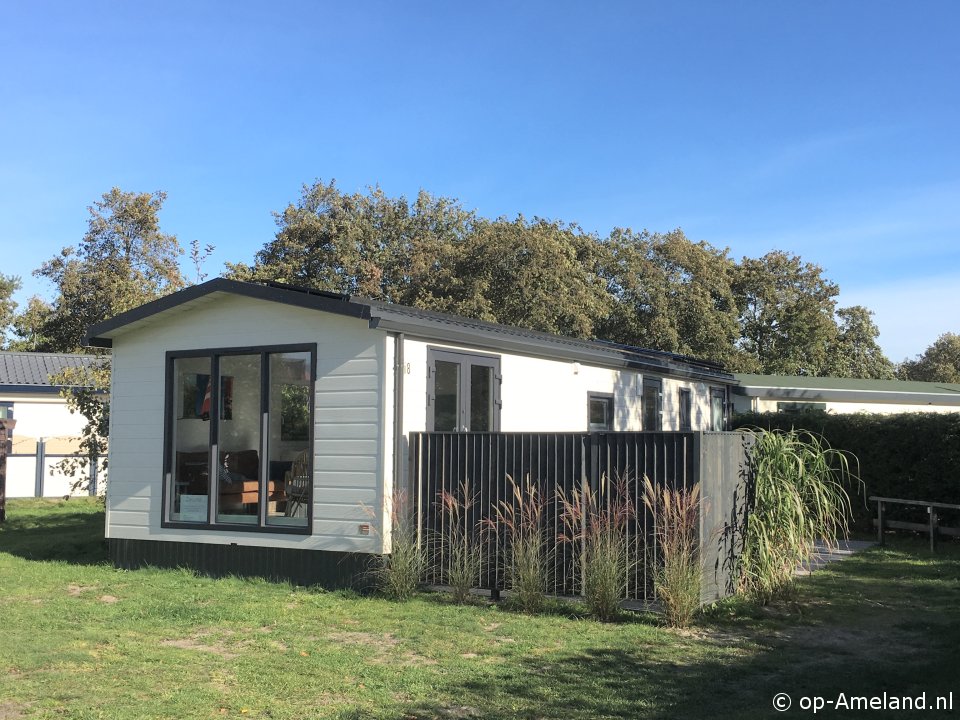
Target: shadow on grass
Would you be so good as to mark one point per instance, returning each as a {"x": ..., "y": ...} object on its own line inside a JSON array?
[
  {"x": 883, "y": 622},
  {"x": 566, "y": 608},
  {"x": 67, "y": 536}
]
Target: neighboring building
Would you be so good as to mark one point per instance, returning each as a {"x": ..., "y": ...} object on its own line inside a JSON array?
[
  {"x": 46, "y": 430},
  {"x": 266, "y": 416},
  {"x": 773, "y": 393}
]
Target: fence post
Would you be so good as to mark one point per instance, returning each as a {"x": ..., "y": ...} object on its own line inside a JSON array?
[
  {"x": 41, "y": 456},
  {"x": 5, "y": 427},
  {"x": 880, "y": 522},
  {"x": 93, "y": 476},
  {"x": 933, "y": 528}
]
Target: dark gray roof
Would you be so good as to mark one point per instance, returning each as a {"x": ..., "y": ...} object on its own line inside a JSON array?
[
  {"x": 429, "y": 325},
  {"x": 32, "y": 371}
]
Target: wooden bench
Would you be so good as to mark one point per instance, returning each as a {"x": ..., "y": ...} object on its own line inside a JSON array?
[{"x": 933, "y": 526}]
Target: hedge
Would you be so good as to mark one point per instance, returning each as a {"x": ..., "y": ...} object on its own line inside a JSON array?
[{"x": 914, "y": 456}]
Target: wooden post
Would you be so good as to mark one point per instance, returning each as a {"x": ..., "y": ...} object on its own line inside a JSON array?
[
  {"x": 933, "y": 529},
  {"x": 880, "y": 522},
  {"x": 5, "y": 427}
]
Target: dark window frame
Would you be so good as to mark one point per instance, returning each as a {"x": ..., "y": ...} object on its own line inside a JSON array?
[
  {"x": 609, "y": 400},
  {"x": 7, "y": 405},
  {"x": 721, "y": 393},
  {"x": 465, "y": 360},
  {"x": 685, "y": 409},
  {"x": 651, "y": 382},
  {"x": 170, "y": 408}
]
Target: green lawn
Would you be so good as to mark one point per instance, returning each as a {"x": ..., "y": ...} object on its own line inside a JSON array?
[{"x": 79, "y": 639}]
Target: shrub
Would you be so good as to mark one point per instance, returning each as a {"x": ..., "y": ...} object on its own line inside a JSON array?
[
  {"x": 597, "y": 524},
  {"x": 463, "y": 561},
  {"x": 399, "y": 573},
  {"x": 906, "y": 455},
  {"x": 520, "y": 523},
  {"x": 678, "y": 577},
  {"x": 798, "y": 498}
]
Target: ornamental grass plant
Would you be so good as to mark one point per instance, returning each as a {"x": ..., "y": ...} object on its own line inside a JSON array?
[
  {"x": 462, "y": 560},
  {"x": 596, "y": 523},
  {"x": 519, "y": 522},
  {"x": 799, "y": 498},
  {"x": 398, "y": 574},
  {"x": 678, "y": 574}
]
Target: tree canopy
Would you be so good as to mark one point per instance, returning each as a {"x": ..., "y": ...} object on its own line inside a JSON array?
[
  {"x": 122, "y": 261},
  {"x": 775, "y": 314},
  {"x": 938, "y": 363}
]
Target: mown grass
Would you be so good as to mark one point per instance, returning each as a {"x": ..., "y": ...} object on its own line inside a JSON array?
[{"x": 79, "y": 639}]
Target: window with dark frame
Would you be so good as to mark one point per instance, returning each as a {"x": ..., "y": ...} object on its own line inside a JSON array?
[
  {"x": 6, "y": 413},
  {"x": 651, "y": 404},
  {"x": 685, "y": 406},
  {"x": 718, "y": 410},
  {"x": 599, "y": 412},
  {"x": 248, "y": 466}
]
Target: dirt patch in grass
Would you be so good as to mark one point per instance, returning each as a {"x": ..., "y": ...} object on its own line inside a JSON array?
[
  {"x": 108, "y": 599},
  {"x": 78, "y": 590},
  {"x": 194, "y": 643},
  {"x": 10, "y": 710},
  {"x": 386, "y": 640},
  {"x": 860, "y": 642}
]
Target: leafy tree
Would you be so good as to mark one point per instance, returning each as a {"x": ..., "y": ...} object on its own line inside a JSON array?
[
  {"x": 434, "y": 254},
  {"x": 123, "y": 261},
  {"x": 671, "y": 294},
  {"x": 29, "y": 326},
  {"x": 360, "y": 244},
  {"x": 85, "y": 390},
  {"x": 9, "y": 284},
  {"x": 786, "y": 309},
  {"x": 855, "y": 353},
  {"x": 939, "y": 363}
]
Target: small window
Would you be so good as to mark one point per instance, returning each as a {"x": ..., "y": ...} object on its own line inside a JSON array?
[
  {"x": 599, "y": 412},
  {"x": 685, "y": 406},
  {"x": 800, "y": 406},
  {"x": 6, "y": 413},
  {"x": 651, "y": 405},
  {"x": 718, "y": 410}
]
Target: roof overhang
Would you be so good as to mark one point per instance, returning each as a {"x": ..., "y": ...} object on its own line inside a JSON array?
[
  {"x": 892, "y": 397},
  {"x": 417, "y": 324},
  {"x": 102, "y": 334}
]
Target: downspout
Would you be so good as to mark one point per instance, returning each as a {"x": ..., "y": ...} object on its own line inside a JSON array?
[{"x": 399, "y": 368}]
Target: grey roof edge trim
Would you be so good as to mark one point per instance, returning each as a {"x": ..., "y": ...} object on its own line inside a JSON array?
[
  {"x": 37, "y": 389},
  {"x": 405, "y": 313},
  {"x": 578, "y": 352},
  {"x": 893, "y": 397},
  {"x": 97, "y": 334}
]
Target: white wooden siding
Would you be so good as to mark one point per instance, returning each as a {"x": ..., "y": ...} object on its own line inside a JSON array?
[{"x": 349, "y": 458}]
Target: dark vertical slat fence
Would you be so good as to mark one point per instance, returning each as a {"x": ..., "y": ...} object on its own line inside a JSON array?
[{"x": 557, "y": 463}]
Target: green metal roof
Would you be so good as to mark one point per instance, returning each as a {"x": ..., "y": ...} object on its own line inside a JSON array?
[{"x": 850, "y": 389}]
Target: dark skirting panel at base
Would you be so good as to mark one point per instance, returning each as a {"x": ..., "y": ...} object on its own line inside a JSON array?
[{"x": 302, "y": 567}]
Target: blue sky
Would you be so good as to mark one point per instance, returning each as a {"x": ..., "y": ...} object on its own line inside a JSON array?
[{"x": 829, "y": 129}]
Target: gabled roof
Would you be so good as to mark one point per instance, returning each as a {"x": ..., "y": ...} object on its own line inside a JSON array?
[
  {"x": 30, "y": 372},
  {"x": 424, "y": 324},
  {"x": 810, "y": 389}
]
